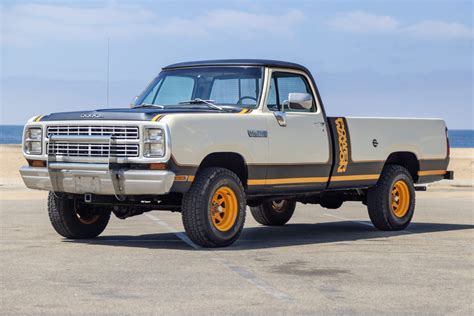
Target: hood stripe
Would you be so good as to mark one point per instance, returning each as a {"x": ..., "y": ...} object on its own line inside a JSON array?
[
  {"x": 157, "y": 117},
  {"x": 38, "y": 118}
]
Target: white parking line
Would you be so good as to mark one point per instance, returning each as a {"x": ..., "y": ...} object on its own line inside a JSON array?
[
  {"x": 180, "y": 235},
  {"x": 242, "y": 272}
]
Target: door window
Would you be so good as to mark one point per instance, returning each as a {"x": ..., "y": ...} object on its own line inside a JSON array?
[{"x": 281, "y": 85}]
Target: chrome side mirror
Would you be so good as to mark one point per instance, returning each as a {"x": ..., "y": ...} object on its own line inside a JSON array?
[
  {"x": 300, "y": 101},
  {"x": 280, "y": 117}
]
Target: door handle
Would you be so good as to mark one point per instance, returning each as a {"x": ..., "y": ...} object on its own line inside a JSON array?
[{"x": 320, "y": 123}]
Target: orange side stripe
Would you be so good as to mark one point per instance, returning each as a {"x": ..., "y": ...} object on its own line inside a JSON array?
[
  {"x": 295, "y": 180},
  {"x": 287, "y": 180},
  {"x": 432, "y": 172},
  {"x": 356, "y": 177}
]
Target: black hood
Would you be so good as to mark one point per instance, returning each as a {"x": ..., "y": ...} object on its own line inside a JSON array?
[{"x": 122, "y": 114}]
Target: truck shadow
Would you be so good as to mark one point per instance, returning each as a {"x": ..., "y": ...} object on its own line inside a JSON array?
[{"x": 262, "y": 237}]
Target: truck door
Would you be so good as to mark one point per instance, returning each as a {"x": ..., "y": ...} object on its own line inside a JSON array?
[{"x": 299, "y": 153}]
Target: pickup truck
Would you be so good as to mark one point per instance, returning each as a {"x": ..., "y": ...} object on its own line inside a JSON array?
[{"x": 209, "y": 138}]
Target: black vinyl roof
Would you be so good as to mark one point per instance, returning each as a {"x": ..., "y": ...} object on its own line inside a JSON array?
[{"x": 238, "y": 62}]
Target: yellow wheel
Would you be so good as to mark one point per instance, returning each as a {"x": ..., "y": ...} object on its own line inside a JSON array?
[
  {"x": 391, "y": 202},
  {"x": 213, "y": 210},
  {"x": 400, "y": 199},
  {"x": 224, "y": 208}
]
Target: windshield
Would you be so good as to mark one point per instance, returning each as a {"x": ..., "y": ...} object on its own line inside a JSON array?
[{"x": 226, "y": 86}]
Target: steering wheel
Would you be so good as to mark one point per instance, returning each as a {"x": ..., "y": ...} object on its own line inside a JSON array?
[{"x": 246, "y": 97}]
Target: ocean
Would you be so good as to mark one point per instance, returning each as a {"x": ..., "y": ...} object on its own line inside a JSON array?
[{"x": 11, "y": 134}]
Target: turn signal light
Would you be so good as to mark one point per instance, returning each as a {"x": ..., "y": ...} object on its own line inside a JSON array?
[
  {"x": 157, "y": 166},
  {"x": 37, "y": 163}
]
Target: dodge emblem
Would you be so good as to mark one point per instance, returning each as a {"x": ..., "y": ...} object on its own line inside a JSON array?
[{"x": 91, "y": 115}]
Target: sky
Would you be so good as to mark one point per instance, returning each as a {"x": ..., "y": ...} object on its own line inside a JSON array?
[{"x": 369, "y": 58}]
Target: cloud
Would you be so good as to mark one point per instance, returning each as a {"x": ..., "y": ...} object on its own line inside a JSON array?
[
  {"x": 363, "y": 22},
  {"x": 28, "y": 24},
  {"x": 360, "y": 22},
  {"x": 439, "y": 29}
]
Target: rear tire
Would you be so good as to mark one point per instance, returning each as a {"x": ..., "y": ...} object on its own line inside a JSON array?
[
  {"x": 72, "y": 223},
  {"x": 213, "y": 210},
  {"x": 275, "y": 213},
  {"x": 391, "y": 203}
]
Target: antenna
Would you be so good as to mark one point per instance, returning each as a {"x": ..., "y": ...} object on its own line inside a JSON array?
[{"x": 108, "y": 68}]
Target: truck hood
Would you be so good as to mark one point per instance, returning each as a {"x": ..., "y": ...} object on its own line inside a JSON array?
[{"x": 121, "y": 114}]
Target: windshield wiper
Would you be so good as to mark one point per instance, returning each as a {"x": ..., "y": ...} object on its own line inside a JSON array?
[
  {"x": 149, "y": 105},
  {"x": 209, "y": 103}
]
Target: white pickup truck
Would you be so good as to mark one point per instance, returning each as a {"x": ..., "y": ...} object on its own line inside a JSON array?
[{"x": 209, "y": 138}]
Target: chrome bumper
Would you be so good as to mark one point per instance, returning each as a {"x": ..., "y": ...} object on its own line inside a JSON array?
[{"x": 96, "y": 179}]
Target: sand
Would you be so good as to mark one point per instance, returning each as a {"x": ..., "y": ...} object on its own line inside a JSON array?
[{"x": 462, "y": 163}]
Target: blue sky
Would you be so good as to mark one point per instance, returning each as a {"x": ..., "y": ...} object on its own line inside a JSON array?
[{"x": 370, "y": 58}]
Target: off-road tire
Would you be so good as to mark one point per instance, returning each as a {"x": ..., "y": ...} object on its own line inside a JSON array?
[
  {"x": 266, "y": 214},
  {"x": 379, "y": 199},
  {"x": 196, "y": 208},
  {"x": 66, "y": 222}
]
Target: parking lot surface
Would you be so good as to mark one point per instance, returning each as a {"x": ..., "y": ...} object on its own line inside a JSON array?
[{"x": 322, "y": 261}]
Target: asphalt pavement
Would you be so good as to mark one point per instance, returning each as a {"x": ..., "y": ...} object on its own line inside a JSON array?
[{"x": 321, "y": 262}]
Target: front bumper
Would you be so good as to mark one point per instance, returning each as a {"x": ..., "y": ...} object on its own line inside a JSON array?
[{"x": 76, "y": 179}]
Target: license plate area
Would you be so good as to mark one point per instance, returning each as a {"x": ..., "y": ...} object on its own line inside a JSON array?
[{"x": 87, "y": 184}]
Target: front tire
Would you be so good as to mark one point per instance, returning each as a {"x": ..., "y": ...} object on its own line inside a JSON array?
[
  {"x": 391, "y": 203},
  {"x": 72, "y": 223},
  {"x": 275, "y": 213},
  {"x": 213, "y": 210}
]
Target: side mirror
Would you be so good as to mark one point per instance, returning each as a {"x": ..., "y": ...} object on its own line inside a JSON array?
[{"x": 300, "y": 101}]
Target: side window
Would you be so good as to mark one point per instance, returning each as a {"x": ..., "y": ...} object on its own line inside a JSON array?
[
  {"x": 272, "y": 102},
  {"x": 284, "y": 83},
  {"x": 175, "y": 89}
]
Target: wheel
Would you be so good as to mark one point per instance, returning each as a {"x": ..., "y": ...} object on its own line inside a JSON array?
[
  {"x": 275, "y": 213},
  {"x": 391, "y": 203},
  {"x": 70, "y": 222},
  {"x": 213, "y": 210}
]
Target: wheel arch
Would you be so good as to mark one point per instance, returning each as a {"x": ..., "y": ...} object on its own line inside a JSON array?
[
  {"x": 232, "y": 161},
  {"x": 405, "y": 159}
]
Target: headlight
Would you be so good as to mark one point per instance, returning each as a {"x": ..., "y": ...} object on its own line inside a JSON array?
[
  {"x": 33, "y": 141},
  {"x": 35, "y": 133},
  {"x": 154, "y": 142}
]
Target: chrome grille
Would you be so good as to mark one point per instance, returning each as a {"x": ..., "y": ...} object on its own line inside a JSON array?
[
  {"x": 119, "y": 132},
  {"x": 93, "y": 150}
]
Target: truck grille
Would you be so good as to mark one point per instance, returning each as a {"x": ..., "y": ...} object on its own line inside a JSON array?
[
  {"x": 93, "y": 150},
  {"x": 119, "y": 132}
]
